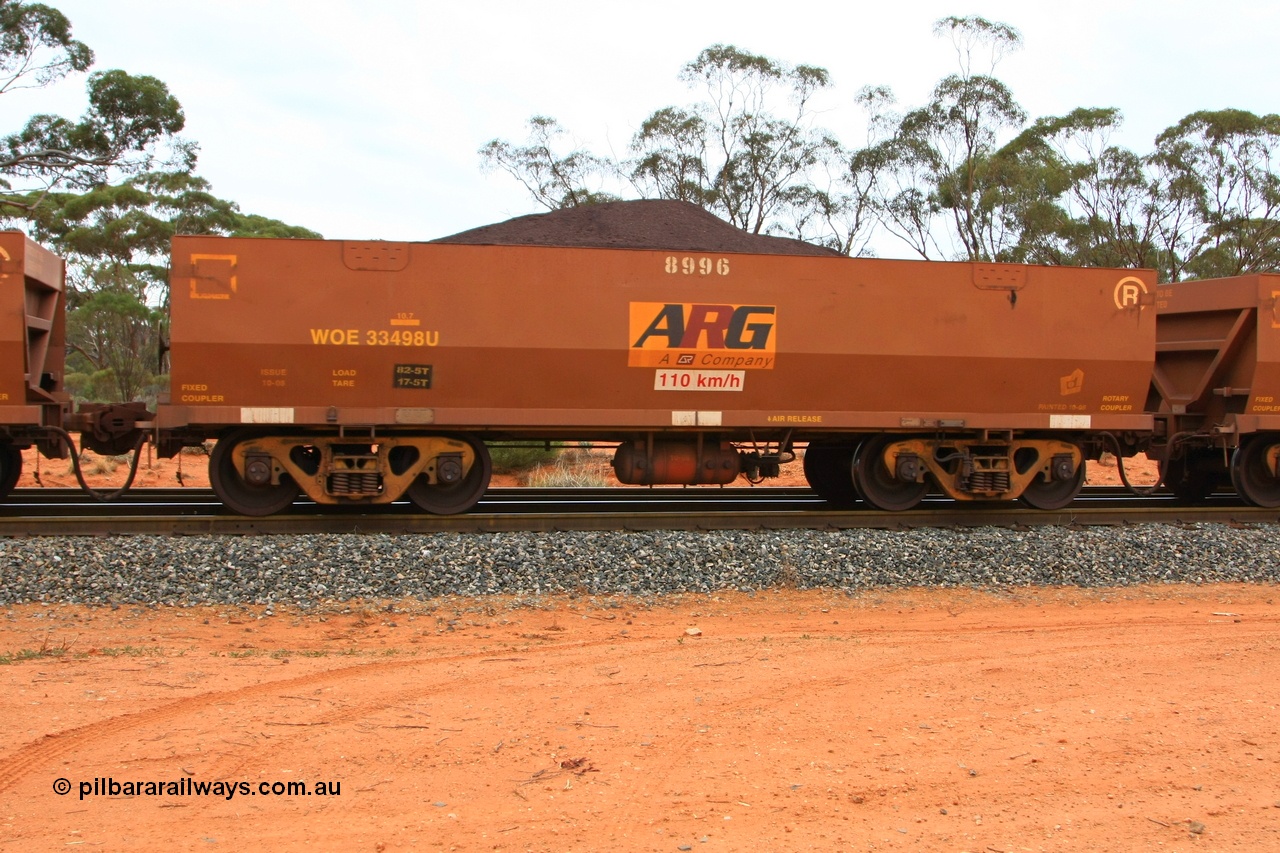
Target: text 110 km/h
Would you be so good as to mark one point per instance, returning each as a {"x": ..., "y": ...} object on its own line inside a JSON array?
[{"x": 699, "y": 380}]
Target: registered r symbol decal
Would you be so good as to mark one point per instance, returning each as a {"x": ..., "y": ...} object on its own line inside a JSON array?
[{"x": 1129, "y": 292}]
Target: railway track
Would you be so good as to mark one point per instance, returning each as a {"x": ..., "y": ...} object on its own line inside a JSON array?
[{"x": 65, "y": 512}]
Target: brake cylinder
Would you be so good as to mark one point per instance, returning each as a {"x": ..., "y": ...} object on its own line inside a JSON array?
[{"x": 676, "y": 463}]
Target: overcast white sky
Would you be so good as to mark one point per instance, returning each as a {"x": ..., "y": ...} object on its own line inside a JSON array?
[{"x": 362, "y": 119}]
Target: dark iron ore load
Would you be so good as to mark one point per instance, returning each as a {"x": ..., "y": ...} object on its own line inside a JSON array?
[{"x": 643, "y": 224}]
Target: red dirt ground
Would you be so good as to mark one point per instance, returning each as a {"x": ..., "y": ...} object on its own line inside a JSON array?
[{"x": 944, "y": 720}]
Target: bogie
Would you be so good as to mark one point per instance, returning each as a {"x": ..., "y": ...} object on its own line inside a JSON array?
[
  {"x": 259, "y": 474},
  {"x": 893, "y": 472}
]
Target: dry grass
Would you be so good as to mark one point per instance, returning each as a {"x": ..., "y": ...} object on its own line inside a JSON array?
[{"x": 574, "y": 469}]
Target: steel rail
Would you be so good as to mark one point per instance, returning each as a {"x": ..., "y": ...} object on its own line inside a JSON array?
[
  {"x": 164, "y": 512},
  {"x": 54, "y": 496}
]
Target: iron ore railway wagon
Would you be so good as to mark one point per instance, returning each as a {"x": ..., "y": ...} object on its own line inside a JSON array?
[
  {"x": 35, "y": 409},
  {"x": 363, "y": 373},
  {"x": 32, "y": 353},
  {"x": 1215, "y": 387}
]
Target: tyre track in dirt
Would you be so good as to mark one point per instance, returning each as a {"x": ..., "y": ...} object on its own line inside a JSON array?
[{"x": 55, "y": 745}]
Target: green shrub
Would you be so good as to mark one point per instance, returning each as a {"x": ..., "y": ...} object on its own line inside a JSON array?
[{"x": 519, "y": 458}]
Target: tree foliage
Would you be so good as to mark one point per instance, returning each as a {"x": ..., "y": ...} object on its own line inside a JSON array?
[
  {"x": 939, "y": 157},
  {"x": 964, "y": 176},
  {"x": 555, "y": 181},
  {"x": 749, "y": 151},
  {"x": 733, "y": 153},
  {"x": 1078, "y": 199},
  {"x": 1220, "y": 186},
  {"x": 113, "y": 336},
  {"x": 107, "y": 191},
  {"x": 36, "y": 47},
  {"x": 130, "y": 125}
]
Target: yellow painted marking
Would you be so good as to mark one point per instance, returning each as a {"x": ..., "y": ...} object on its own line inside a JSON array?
[
  {"x": 231, "y": 279},
  {"x": 794, "y": 419},
  {"x": 1129, "y": 292}
]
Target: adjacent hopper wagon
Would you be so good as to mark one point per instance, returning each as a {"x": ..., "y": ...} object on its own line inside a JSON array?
[
  {"x": 1215, "y": 387},
  {"x": 32, "y": 352}
]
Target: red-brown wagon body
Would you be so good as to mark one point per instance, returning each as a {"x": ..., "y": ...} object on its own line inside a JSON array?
[
  {"x": 32, "y": 351},
  {"x": 685, "y": 359},
  {"x": 1216, "y": 385}
]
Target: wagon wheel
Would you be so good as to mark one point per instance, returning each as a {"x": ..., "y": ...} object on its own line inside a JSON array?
[
  {"x": 240, "y": 496},
  {"x": 829, "y": 470},
  {"x": 10, "y": 468},
  {"x": 1054, "y": 493},
  {"x": 1188, "y": 482},
  {"x": 1250, "y": 475},
  {"x": 877, "y": 484},
  {"x": 453, "y": 498}
]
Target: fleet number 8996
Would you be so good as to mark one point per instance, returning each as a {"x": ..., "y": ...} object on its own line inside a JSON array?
[{"x": 689, "y": 265}]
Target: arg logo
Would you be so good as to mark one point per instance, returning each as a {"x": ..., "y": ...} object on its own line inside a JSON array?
[{"x": 702, "y": 334}]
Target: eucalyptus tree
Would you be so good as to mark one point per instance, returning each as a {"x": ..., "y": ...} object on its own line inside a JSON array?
[
  {"x": 750, "y": 151},
  {"x": 1218, "y": 175},
  {"x": 939, "y": 161},
  {"x": 1074, "y": 198},
  {"x": 107, "y": 191},
  {"x": 130, "y": 124},
  {"x": 555, "y": 180}
]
